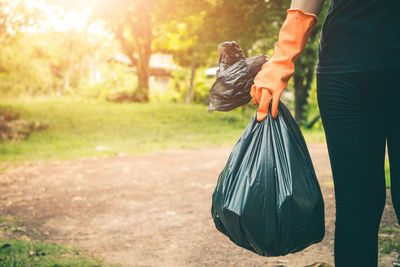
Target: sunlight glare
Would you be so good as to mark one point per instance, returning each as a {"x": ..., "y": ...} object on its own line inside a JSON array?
[{"x": 60, "y": 19}]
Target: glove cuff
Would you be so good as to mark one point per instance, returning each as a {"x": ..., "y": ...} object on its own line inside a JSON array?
[{"x": 297, "y": 9}]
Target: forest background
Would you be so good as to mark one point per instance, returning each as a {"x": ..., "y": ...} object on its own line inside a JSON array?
[
  {"x": 102, "y": 77},
  {"x": 142, "y": 50}
]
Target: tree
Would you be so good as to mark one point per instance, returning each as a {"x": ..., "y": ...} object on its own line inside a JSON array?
[
  {"x": 17, "y": 68},
  {"x": 255, "y": 25},
  {"x": 245, "y": 21},
  {"x": 15, "y": 16},
  {"x": 132, "y": 23},
  {"x": 182, "y": 36},
  {"x": 194, "y": 32}
]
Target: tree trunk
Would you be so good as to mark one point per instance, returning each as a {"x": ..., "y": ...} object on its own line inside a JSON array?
[
  {"x": 143, "y": 38},
  {"x": 190, "y": 93},
  {"x": 304, "y": 73},
  {"x": 302, "y": 85},
  {"x": 142, "y": 91},
  {"x": 300, "y": 98},
  {"x": 140, "y": 45},
  {"x": 67, "y": 79}
]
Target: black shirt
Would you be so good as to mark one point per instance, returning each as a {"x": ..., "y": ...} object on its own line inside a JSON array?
[{"x": 360, "y": 35}]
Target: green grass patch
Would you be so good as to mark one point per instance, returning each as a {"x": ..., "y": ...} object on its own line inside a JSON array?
[
  {"x": 9, "y": 224},
  {"x": 24, "y": 253},
  {"x": 80, "y": 128},
  {"x": 389, "y": 240},
  {"x": 314, "y": 136},
  {"x": 387, "y": 173},
  {"x": 17, "y": 250}
]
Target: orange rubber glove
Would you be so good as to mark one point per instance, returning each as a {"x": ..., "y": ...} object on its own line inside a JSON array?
[{"x": 274, "y": 75}]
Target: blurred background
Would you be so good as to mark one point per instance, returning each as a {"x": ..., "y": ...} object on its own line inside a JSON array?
[{"x": 84, "y": 78}]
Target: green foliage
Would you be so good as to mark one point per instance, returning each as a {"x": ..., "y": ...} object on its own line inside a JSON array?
[
  {"x": 115, "y": 78},
  {"x": 52, "y": 63},
  {"x": 26, "y": 253},
  {"x": 311, "y": 110},
  {"x": 15, "y": 16},
  {"x": 193, "y": 33},
  {"x": 244, "y": 21},
  {"x": 179, "y": 84},
  {"x": 62, "y": 63},
  {"x": 21, "y": 68},
  {"x": 202, "y": 85},
  {"x": 185, "y": 34},
  {"x": 21, "y": 72}
]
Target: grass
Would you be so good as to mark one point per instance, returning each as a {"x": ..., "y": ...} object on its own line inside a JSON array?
[
  {"x": 17, "y": 250},
  {"x": 92, "y": 128},
  {"x": 25, "y": 253},
  {"x": 314, "y": 136},
  {"x": 389, "y": 240},
  {"x": 387, "y": 173}
]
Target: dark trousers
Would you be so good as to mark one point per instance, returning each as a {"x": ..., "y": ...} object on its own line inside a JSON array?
[{"x": 360, "y": 112}]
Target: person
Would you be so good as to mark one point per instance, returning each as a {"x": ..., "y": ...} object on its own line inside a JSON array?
[{"x": 358, "y": 94}]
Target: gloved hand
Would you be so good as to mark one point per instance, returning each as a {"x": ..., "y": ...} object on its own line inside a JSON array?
[{"x": 274, "y": 75}]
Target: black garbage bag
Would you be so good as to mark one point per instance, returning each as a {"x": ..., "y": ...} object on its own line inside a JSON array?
[
  {"x": 235, "y": 77},
  {"x": 267, "y": 197}
]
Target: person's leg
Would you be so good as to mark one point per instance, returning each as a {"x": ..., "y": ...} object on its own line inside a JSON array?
[
  {"x": 356, "y": 140},
  {"x": 393, "y": 135}
]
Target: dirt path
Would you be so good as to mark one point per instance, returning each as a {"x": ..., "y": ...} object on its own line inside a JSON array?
[{"x": 150, "y": 210}]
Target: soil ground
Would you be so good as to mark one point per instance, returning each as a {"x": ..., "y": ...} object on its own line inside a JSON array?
[{"x": 149, "y": 210}]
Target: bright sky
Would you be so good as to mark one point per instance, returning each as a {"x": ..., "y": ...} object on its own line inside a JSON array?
[{"x": 63, "y": 19}]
